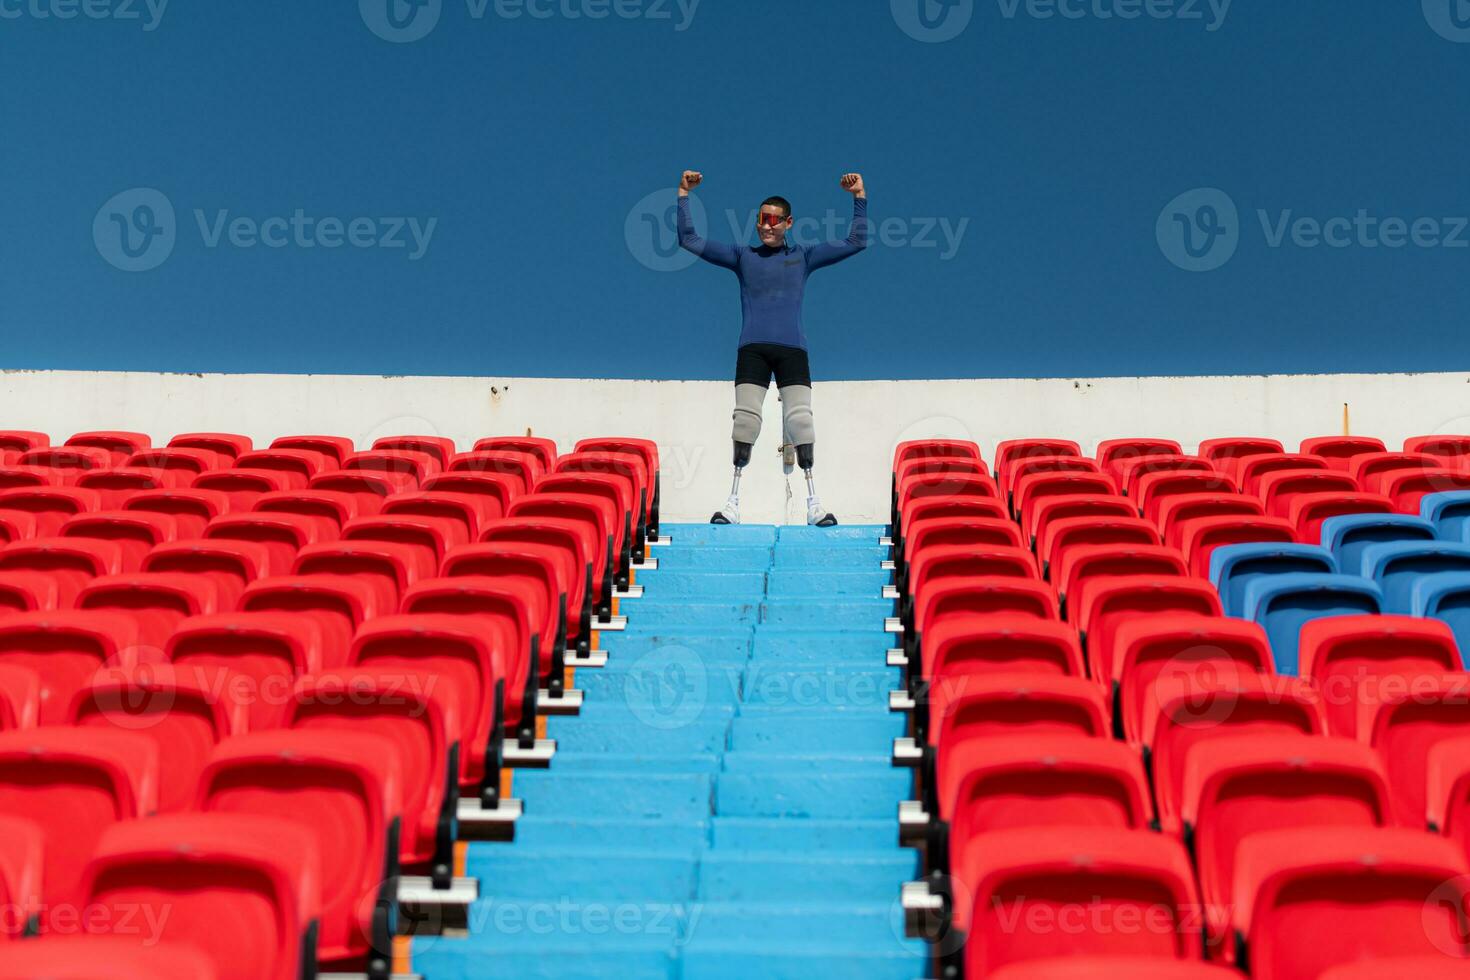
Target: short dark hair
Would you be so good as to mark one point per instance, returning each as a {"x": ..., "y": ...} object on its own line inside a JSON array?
[{"x": 780, "y": 202}]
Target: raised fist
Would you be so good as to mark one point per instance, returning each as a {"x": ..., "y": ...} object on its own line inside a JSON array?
[
  {"x": 853, "y": 184},
  {"x": 690, "y": 180}
]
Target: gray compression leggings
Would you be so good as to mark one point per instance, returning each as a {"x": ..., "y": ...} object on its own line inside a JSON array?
[{"x": 796, "y": 408}]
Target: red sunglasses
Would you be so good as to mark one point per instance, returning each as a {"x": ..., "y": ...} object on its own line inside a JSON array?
[{"x": 771, "y": 220}]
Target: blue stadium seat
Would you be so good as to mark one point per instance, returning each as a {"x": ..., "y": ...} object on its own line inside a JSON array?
[
  {"x": 1448, "y": 511},
  {"x": 1283, "y": 603},
  {"x": 1234, "y": 566},
  {"x": 1348, "y": 534},
  {"x": 1395, "y": 566},
  {"x": 1444, "y": 596}
]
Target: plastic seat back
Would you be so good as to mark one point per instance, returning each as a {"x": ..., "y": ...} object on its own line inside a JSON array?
[
  {"x": 390, "y": 568},
  {"x": 1346, "y": 536},
  {"x": 268, "y": 650},
  {"x": 1338, "y": 451},
  {"x": 1398, "y": 565},
  {"x": 1221, "y": 450},
  {"x": 1105, "y": 603},
  {"x": 1173, "y": 514},
  {"x": 1404, "y": 723},
  {"x": 228, "y": 444},
  {"x": 543, "y": 449},
  {"x": 441, "y": 448},
  {"x": 338, "y": 603},
  {"x": 191, "y": 509},
  {"x": 1004, "y": 705},
  {"x": 116, "y": 957},
  {"x": 156, "y": 601},
  {"x": 1234, "y": 567},
  {"x": 330, "y": 505},
  {"x": 1201, "y": 536},
  {"x": 137, "y": 532},
  {"x": 1283, "y": 604},
  {"x": 231, "y": 565},
  {"x": 283, "y": 535},
  {"x": 1000, "y": 643},
  {"x": 65, "y": 649},
  {"x": 337, "y": 448}
]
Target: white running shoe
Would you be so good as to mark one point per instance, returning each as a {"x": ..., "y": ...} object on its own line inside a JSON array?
[
  {"x": 728, "y": 514},
  {"x": 817, "y": 517}
]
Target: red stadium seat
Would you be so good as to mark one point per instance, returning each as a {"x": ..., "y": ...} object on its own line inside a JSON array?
[
  {"x": 70, "y": 562},
  {"x": 368, "y": 488},
  {"x": 1091, "y": 561},
  {"x": 1035, "y": 487},
  {"x": 134, "y": 957},
  {"x": 28, "y": 591},
  {"x": 464, "y": 658},
  {"x": 524, "y": 468},
  {"x": 1434, "y": 967},
  {"x": 1011, "y": 450},
  {"x": 543, "y": 449},
  {"x": 1393, "y": 892},
  {"x": 1050, "y": 509},
  {"x": 1220, "y": 451},
  {"x": 332, "y": 505},
  {"x": 244, "y": 487},
  {"x": 1112, "y": 454},
  {"x": 1250, "y": 470},
  {"x": 549, "y": 569},
  {"x": 424, "y": 724},
  {"x": 1132, "y": 472},
  {"x": 1070, "y": 533},
  {"x": 433, "y": 536},
  {"x": 951, "y": 560},
  {"x": 259, "y": 874},
  {"x": 954, "y": 466},
  {"x": 972, "y": 595},
  {"x": 574, "y": 539},
  {"x": 1278, "y": 488},
  {"x": 1013, "y": 886},
  {"x": 594, "y": 514},
  {"x": 497, "y": 488},
  {"x": 645, "y": 449},
  {"x": 69, "y": 462},
  {"x": 1105, "y": 603},
  {"x": 439, "y": 447},
  {"x": 268, "y": 650},
  {"x": 944, "y": 529},
  {"x": 119, "y": 444},
  {"x": 17, "y": 440},
  {"x": 337, "y": 448},
  {"x": 187, "y": 711},
  {"x": 627, "y": 467},
  {"x": 282, "y": 534},
  {"x": 136, "y": 532},
  {"x": 518, "y": 605},
  {"x": 1027, "y": 465},
  {"x": 418, "y": 467},
  {"x": 1403, "y": 723},
  {"x": 49, "y": 507},
  {"x": 191, "y": 509},
  {"x": 1351, "y": 658},
  {"x": 231, "y": 565},
  {"x": 926, "y": 508},
  {"x": 1183, "y": 712},
  {"x": 1309, "y": 510},
  {"x": 338, "y": 603},
  {"x": 1339, "y": 451},
  {"x": 1407, "y": 487},
  {"x": 1238, "y": 785},
  {"x": 1455, "y": 450},
  {"x": 65, "y": 649},
  {"x": 22, "y": 866},
  {"x": 20, "y": 697},
  {"x": 14, "y": 477},
  {"x": 1174, "y": 513},
  {"x": 390, "y": 568},
  {"x": 597, "y": 488},
  {"x": 16, "y": 525},
  {"x": 1000, "y": 643},
  {"x": 471, "y": 511},
  {"x": 925, "y": 485},
  {"x": 1370, "y": 467},
  {"x": 347, "y": 788},
  {"x": 1200, "y": 536},
  {"x": 1153, "y": 489},
  {"x": 74, "y": 785},
  {"x": 1177, "y": 648},
  {"x": 155, "y": 601},
  {"x": 226, "y": 444},
  {"x": 1447, "y": 789},
  {"x": 118, "y": 486},
  {"x": 1030, "y": 781},
  {"x": 297, "y": 465},
  {"x": 179, "y": 460},
  {"x": 1002, "y": 705}
]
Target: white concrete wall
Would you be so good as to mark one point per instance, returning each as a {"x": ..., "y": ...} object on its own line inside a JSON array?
[{"x": 858, "y": 422}]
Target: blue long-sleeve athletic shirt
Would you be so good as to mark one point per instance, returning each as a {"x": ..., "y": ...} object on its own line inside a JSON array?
[{"x": 773, "y": 280}]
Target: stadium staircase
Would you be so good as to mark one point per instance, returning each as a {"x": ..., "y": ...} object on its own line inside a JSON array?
[{"x": 724, "y": 804}]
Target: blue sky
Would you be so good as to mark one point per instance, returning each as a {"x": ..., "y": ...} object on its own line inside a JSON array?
[{"x": 477, "y": 200}]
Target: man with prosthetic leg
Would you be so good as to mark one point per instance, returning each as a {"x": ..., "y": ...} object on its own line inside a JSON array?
[{"x": 772, "y": 278}]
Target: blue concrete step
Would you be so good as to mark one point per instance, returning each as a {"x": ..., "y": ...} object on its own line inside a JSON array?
[
  {"x": 467, "y": 959},
  {"x": 539, "y": 833},
  {"x": 697, "y": 584},
  {"x": 784, "y": 582},
  {"x": 777, "y": 876},
  {"x": 625, "y": 648},
  {"x": 685, "y": 535},
  {"x": 838, "y": 559},
  {"x": 798, "y": 793},
  {"x": 690, "y": 614},
  {"x": 660, "y": 731},
  {"x": 778, "y": 644},
  {"x": 802, "y": 836},
  {"x": 649, "y": 796},
  {"x": 818, "y": 685},
  {"x": 787, "y": 926},
  {"x": 602, "y": 872},
  {"x": 801, "y": 732},
  {"x": 842, "y": 534},
  {"x": 828, "y": 613},
  {"x": 740, "y": 960},
  {"x": 713, "y": 558},
  {"x": 610, "y": 764},
  {"x": 847, "y": 762}
]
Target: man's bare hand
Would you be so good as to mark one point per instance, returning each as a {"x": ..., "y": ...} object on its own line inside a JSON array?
[
  {"x": 853, "y": 184},
  {"x": 690, "y": 180}
]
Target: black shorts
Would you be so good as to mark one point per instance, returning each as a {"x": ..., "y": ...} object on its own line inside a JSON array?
[{"x": 755, "y": 363}]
